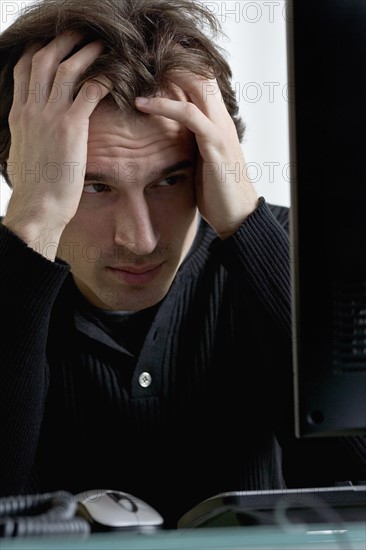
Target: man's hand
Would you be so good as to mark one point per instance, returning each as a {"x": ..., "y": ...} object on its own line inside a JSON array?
[
  {"x": 49, "y": 134},
  {"x": 225, "y": 195}
]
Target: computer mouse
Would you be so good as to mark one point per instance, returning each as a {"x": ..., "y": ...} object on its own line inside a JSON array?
[{"x": 107, "y": 509}]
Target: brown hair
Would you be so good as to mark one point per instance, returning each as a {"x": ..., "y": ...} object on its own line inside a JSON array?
[{"x": 145, "y": 40}]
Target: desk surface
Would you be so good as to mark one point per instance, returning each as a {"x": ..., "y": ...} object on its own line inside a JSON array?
[{"x": 351, "y": 537}]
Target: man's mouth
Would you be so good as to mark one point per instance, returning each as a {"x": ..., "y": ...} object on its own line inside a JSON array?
[{"x": 135, "y": 275}]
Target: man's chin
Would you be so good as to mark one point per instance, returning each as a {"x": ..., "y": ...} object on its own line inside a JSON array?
[{"x": 137, "y": 300}]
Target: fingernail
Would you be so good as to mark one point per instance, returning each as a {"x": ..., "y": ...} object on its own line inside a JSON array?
[{"x": 142, "y": 100}]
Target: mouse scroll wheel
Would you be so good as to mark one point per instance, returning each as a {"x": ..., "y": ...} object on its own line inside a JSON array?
[{"x": 124, "y": 501}]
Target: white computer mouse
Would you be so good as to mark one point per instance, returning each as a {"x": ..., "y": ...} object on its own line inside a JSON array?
[{"x": 107, "y": 509}]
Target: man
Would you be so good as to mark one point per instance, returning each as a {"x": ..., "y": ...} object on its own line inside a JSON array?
[{"x": 145, "y": 285}]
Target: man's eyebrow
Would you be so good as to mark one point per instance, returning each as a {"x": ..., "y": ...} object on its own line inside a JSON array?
[
  {"x": 97, "y": 176},
  {"x": 105, "y": 178},
  {"x": 182, "y": 165}
]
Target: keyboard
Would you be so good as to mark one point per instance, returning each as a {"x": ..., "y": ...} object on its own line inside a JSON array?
[{"x": 281, "y": 508}]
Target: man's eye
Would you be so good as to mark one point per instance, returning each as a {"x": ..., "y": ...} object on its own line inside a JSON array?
[
  {"x": 170, "y": 181},
  {"x": 93, "y": 188}
]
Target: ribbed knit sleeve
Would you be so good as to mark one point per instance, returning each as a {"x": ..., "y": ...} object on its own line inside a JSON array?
[
  {"x": 261, "y": 248},
  {"x": 29, "y": 285}
]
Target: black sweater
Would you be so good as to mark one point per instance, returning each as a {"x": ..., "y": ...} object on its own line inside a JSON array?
[{"x": 205, "y": 407}]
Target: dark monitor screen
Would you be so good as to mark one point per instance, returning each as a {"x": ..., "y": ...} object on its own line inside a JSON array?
[{"x": 327, "y": 75}]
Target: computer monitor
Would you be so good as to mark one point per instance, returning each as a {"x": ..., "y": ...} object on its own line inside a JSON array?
[{"x": 327, "y": 111}]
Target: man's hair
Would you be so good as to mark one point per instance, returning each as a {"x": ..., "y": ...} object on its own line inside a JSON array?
[{"x": 145, "y": 42}]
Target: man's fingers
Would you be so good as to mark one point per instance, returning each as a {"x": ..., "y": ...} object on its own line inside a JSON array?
[
  {"x": 62, "y": 90},
  {"x": 89, "y": 96},
  {"x": 181, "y": 111},
  {"x": 204, "y": 92},
  {"x": 46, "y": 75},
  {"x": 22, "y": 73},
  {"x": 45, "y": 63}
]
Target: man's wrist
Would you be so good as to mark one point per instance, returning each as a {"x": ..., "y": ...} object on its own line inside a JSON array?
[{"x": 42, "y": 239}]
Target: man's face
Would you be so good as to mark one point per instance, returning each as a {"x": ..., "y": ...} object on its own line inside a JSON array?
[{"x": 137, "y": 217}]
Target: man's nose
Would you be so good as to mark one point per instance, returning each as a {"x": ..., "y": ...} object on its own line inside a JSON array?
[{"x": 134, "y": 227}]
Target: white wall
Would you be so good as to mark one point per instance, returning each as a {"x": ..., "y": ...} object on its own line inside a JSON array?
[{"x": 256, "y": 47}]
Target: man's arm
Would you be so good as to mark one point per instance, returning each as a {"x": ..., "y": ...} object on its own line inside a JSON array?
[
  {"x": 225, "y": 195},
  {"x": 49, "y": 134},
  {"x": 29, "y": 285},
  {"x": 46, "y": 165}
]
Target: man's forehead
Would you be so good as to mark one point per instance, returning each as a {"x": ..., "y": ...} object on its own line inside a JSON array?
[{"x": 116, "y": 133}]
